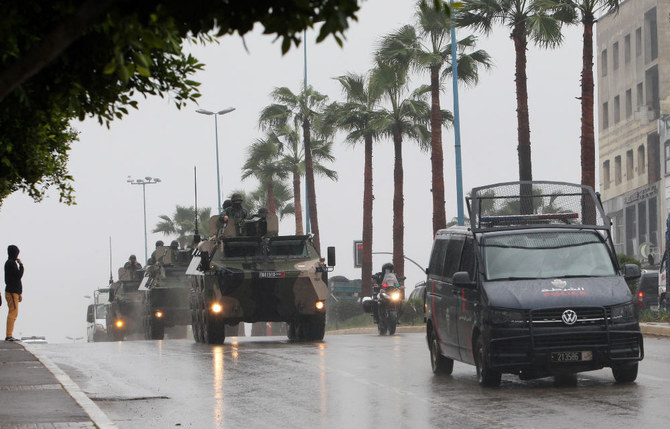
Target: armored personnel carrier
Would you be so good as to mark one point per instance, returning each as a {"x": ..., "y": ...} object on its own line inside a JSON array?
[
  {"x": 124, "y": 309},
  {"x": 248, "y": 273},
  {"x": 165, "y": 292}
]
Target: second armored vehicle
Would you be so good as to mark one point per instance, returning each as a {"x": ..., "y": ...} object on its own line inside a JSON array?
[{"x": 125, "y": 305}]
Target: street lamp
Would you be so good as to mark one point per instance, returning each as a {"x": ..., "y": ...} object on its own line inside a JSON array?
[
  {"x": 216, "y": 138},
  {"x": 74, "y": 339},
  {"x": 146, "y": 181}
]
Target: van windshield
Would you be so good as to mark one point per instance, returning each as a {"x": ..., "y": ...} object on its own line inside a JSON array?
[{"x": 538, "y": 255}]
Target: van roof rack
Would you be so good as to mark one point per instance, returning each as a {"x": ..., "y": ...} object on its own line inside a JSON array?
[{"x": 536, "y": 204}]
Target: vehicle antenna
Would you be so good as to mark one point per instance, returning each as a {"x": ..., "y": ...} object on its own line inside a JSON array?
[
  {"x": 111, "y": 279},
  {"x": 196, "y": 234}
]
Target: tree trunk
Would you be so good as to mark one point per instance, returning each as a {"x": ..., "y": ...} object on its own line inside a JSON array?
[
  {"x": 398, "y": 206},
  {"x": 311, "y": 191},
  {"x": 588, "y": 152},
  {"x": 523, "y": 123},
  {"x": 436, "y": 156},
  {"x": 366, "y": 269},
  {"x": 272, "y": 208},
  {"x": 297, "y": 203}
]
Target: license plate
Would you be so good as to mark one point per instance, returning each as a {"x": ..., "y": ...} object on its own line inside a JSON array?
[
  {"x": 571, "y": 356},
  {"x": 270, "y": 274}
]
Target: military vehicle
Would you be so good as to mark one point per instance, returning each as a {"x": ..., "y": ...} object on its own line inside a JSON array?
[
  {"x": 247, "y": 273},
  {"x": 165, "y": 292},
  {"x": 124, "y": 309}
]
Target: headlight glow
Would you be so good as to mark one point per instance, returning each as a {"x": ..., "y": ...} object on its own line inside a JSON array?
[
  {"x": 395, "y": 296},
  {"x": 119, "y": 323},
  {"x": 158, "y": 314},
  {"x": 216, "y": 308},
  {"x": 320, "y": 305}
]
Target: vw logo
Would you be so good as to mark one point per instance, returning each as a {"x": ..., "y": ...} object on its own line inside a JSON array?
[{"x": 569, "y": 317}]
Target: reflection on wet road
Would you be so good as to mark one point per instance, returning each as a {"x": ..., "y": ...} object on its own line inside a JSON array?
[{"x": 348, "y": 381}]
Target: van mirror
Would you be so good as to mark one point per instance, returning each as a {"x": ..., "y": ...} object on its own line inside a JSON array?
[
  {"x": 331, "y": 256},
  {"x": 462, "y": 279},
  {"x": 90, "y": 317},
  {"x": 427, "y": 271},
  {"x": 631, "y": 272}
]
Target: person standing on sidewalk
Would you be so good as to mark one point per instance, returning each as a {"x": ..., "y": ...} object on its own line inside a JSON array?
[{"x": 13, "y": 288}]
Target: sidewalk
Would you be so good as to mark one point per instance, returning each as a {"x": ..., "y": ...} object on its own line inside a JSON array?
[{"x": 36, "y": 394}]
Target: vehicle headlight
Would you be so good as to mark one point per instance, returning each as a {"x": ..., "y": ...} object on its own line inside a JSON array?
[
  {"x": 119, "y": 324},
  {"x": 395, "y": 296},
  {"x": 512, "y": 318},
  {"x": 622, "y": 313},
  {"x": 216, "y": 308},
  {"x": 158, "y": 314}
]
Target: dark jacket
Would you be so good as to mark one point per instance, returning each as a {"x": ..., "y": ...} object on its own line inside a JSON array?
[{"x": 13, "y": 271}]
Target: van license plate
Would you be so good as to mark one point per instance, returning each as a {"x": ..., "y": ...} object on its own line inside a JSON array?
[{"x": 571, "y": 356}]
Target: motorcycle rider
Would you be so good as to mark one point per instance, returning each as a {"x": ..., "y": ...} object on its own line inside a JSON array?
[{"x": 377, "y": 281}]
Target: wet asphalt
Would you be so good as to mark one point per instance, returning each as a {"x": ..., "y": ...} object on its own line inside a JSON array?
[{"x": 346, "y": 381}]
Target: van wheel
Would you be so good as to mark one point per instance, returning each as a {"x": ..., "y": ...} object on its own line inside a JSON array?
[
  {"x": 486, "y": 376},
  {"x": 441, "y": 365},
  {"x": 625, "y": 374}
]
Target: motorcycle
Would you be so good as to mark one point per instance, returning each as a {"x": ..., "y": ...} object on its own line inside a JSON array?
[{"x": 387, "y": 304}]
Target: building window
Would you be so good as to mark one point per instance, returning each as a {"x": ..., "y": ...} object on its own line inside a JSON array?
[
  {"x": 640, "y": 160},
  {"x": 629, "y": 103},
  {"x": 629, "y": 165},
  {"x": 617, "y": 170},
  {"x": 651, "y": 36},
  {"x": 653, "y": 222},
  {"x": 626, "y": 49},
  {"x": 631, "y": 230},
  {"x": 606, "y": 116},
  {"x": 667, "y": 157},
  {"x": 638, "y": 42},
  {"x": 617, "y": 229},
  {"x": 640, "y": 95},
  {"x": 617, "y": 110},
  {"x": 603, "y": 62},
  {"x": 615, "y": 56},
  {"x": 606, "y": 174}
]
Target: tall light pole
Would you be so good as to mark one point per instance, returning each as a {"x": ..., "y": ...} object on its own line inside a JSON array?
[
  {"x": 144, "y": 182},
  {"x": 216, "y": 139},
  {"x": 457, "y": 123}
]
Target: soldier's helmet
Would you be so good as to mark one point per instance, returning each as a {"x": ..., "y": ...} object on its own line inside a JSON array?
[
  {"x": 132, "y": 257},
  {"x": 159, "y": 243},
  {"x": 174, "y": 244},
  {"x": 236, "y": 198}
]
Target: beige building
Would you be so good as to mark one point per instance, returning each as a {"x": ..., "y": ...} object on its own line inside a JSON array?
[{"x": 633, "y": 75}]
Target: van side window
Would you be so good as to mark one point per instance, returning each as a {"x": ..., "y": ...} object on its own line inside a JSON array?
[
  {"x": 437, "y": 257},
  {"x": 468, "y": 258},
  {"x": 453, "y": 256}
]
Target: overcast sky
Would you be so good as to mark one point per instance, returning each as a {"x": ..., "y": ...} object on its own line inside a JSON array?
[{"x": 66, "y": 249}]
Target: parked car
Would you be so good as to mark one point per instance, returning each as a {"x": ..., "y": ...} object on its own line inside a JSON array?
[
  {"x": 417, "y": 296},
  {"x": 646, "y": 292}
]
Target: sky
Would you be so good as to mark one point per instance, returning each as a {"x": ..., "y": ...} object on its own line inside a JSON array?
[{"x": 66, "y": 249}]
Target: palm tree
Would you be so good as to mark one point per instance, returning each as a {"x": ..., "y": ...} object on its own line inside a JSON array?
[
  {"x": 406, "y": 117},
  {"x": 282, "y": 199},
  {"x": 301, "y": 109},
  {"x": 527, "y": 20},
  {"x": 574, "y": 12},
  {"x": 263, "y": 164},
  {"x": 355, "y": 116},
  {"x": 182, "y": 223},
  {"x": 427, "y": 47}
]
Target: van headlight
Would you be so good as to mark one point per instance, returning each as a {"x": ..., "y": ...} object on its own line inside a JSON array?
[
  {"x": 622, "y": 313},
  {"x": 508, "y": 318}
]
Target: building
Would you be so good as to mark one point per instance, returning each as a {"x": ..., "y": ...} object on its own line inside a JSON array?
[{"x": 633, "y": 75}]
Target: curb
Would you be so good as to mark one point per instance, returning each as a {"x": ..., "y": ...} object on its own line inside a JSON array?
[{"x": 99, "y": 418}]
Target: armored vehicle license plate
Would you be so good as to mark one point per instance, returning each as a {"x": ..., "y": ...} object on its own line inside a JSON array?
[
  {"x": 571, "y": 356},
  {"x": 271, "y": 274}
]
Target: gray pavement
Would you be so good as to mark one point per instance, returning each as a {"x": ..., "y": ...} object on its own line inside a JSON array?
[{"x": 36, "y": 394}]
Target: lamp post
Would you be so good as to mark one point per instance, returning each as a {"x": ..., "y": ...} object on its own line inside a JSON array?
[
  {"x": 216, "y": 139},
  {"x": 144, "y": 182}
]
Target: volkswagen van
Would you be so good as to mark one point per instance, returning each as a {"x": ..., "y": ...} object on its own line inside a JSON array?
[{"x": 532, "y": 287}]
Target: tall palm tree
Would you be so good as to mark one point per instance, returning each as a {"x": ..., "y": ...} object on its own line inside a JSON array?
[
  {"x": 263, "y": 164},
  {"x": 301, "y": 109},
  {"x": 281, "y": 195},
  {"x": 406, "y": 117},
  {"x": 427, "y": 47},
  {"x": 182, "y": 223},
  {"x": 574, "y": 12},
  {"x": 527, "y": 19},
  {"x": 355, "y": 116}
]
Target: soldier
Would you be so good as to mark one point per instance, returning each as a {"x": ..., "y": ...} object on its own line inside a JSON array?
[
  {"x": 152, "y": 259},
  {"x": 132, "y": 266},
  {"x": 235, "y": 212}
]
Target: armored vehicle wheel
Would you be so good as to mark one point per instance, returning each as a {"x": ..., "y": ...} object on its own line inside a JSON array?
[
  {"x": 486, "y": 376},
  {"x": 625, "y": 374},
  {"x": 213, "y": 331},
  {"x": 155, "y": 329},
  {"x": 439, "y": 364},
  {"x": 314, "y": 328},
  {"x": 291, "y": 331},
  {"x": 199, "y": 324}
]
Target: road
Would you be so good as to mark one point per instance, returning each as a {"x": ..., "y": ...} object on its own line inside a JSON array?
[{"x": 347, "y": 381}]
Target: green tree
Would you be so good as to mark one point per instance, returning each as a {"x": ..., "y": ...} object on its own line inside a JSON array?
[
  {"x": 355, "y": 116},
  {"x": 282, "y": 196},
  {"x": 527, "y": 20},
  {"x": 427, "y": 47},
  {"x": 404, "y": 118},
  {"x": 182, "y": 224},
  {"x": 584, "y": 12},
  {"x": 299, "y": 109},
  {"x": 264, "y": 164},
  {"x": 69, "y": 59}
]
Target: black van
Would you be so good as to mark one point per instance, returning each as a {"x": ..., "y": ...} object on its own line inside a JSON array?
[{"x": 532, "y": 287}]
